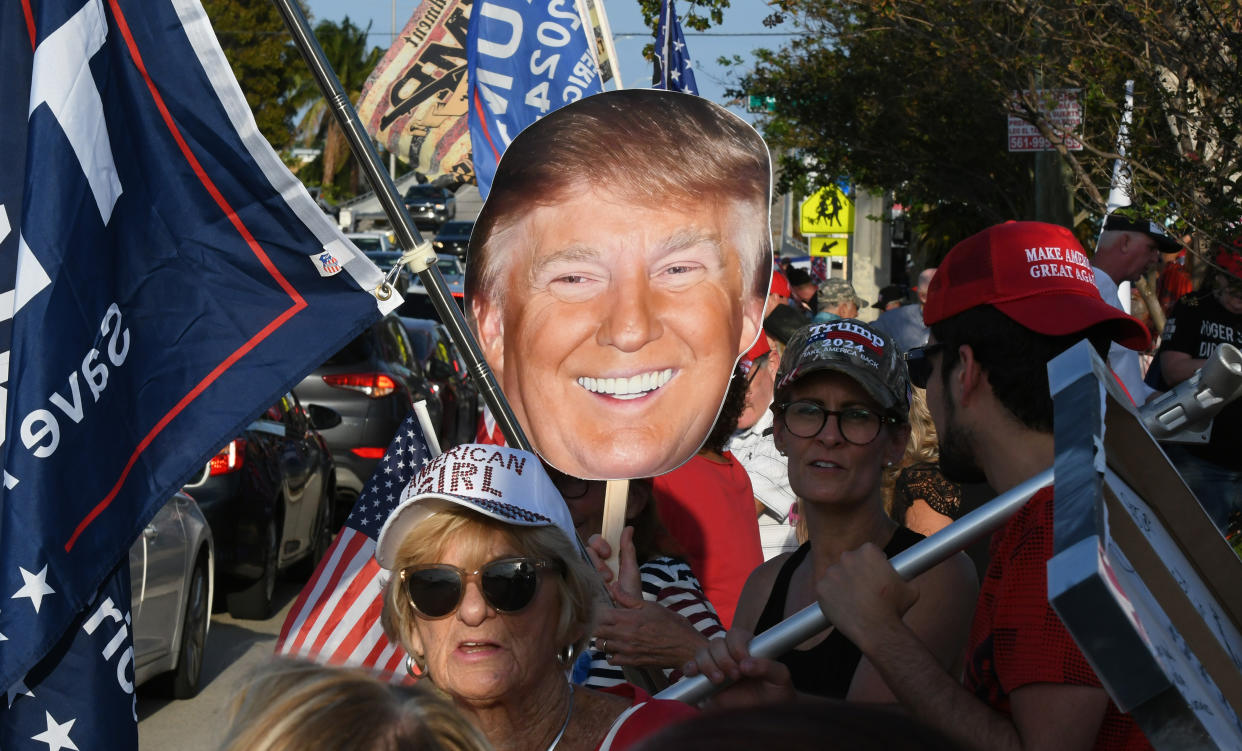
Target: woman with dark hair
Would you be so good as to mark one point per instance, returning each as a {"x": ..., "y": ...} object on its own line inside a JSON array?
[{"x": 841, "y": 416}]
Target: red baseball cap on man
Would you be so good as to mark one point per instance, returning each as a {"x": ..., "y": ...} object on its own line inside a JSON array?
[
  {"x": 1036, "y": 274},
  {"x": 780, "y": 285}
]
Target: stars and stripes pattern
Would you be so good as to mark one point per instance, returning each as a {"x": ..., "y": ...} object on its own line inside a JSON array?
[
  {"x": 673, "y": 68},
  {"x": 336, "y": 618}
]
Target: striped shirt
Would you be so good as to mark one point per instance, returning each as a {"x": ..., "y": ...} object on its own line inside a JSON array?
[{"x": 669, "y": 582}]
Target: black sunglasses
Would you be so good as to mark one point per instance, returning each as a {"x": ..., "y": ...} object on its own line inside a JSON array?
[
  {"x": 918, "y": 362},
  {"x": 508, "y": 585}
]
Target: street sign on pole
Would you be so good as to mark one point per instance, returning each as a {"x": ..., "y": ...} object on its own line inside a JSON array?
[
  {"x": 1061, "y": 108},
  {"x": 760, "y": 105},
  {"x": 828, "y": 211},
  {"x": 830, "y": 245}
]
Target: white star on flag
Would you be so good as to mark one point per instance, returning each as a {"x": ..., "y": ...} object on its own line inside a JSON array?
[
  {"x": 34, "y": 588},
  {"x": 57, "y": 735}
]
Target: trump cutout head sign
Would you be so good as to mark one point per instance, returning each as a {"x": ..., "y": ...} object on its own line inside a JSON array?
[{"x": 617, "y": 271}]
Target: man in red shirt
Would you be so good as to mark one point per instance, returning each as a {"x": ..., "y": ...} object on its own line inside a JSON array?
[{"x": 1003, "y": 303}]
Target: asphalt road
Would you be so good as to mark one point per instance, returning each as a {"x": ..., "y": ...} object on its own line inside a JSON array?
[{"x": 234, "y": 647}]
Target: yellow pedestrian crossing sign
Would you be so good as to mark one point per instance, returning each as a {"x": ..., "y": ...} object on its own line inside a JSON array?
[
  {"x": 829, "y": 246},
  {"x": 827, "y": 212}
]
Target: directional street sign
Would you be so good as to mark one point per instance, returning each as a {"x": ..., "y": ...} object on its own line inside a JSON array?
[{"x": 830, "y": 246}]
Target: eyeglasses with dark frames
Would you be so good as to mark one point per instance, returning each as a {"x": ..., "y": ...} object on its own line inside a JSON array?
[
  {"x": 435, "y": 590},
  {"x": 858, "y": 425}
]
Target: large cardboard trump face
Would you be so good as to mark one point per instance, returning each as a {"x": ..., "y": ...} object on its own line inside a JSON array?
[{"x": 617, "y": 270}]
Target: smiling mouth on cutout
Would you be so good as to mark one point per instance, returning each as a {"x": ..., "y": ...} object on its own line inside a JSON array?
[{"x": 633, "y": 387}]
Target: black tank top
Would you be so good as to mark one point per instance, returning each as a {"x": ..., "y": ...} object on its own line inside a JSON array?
[{"x": 827, "y": 668}]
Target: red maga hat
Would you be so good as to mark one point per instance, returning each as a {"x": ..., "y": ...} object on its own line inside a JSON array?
[
  {"x": 780, "y": 285},
  {"x": 1036, "y": 274},
  {"x": 760, "y": 349}
]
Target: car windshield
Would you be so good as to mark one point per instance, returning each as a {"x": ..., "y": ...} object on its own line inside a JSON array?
[
  {"x": 424, "y": 191},
  {"x": 461, "y": 229},
  {"x": 448, "y": 267},
  {"x": 385, "y": 259},
  {"x": 366, "y": 243},
  {"x": 420, "y": 340}
]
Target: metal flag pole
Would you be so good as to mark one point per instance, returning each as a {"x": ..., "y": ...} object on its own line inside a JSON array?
[
  {"x": 419, "y": 255},
  {"x": 915, "y": 560}
]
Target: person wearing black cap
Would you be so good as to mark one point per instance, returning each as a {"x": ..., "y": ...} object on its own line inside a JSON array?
[
  {"x": 1126, "y": 250},
  {"x": 803, "y": 289},
  {"x": 905, "y": 324},
  {"x": 890, "y": 297}
]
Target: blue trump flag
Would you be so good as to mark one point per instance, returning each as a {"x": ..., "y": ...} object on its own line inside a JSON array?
[
  {"x": 163, "y": 279},
  {"x": 523, "y": 60},
  {"x": 673, "y": 70}
]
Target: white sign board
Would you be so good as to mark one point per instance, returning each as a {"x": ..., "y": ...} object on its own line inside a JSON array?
[{"x": 1062, "y": 108}]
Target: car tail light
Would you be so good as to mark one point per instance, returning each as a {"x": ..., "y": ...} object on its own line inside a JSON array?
[
  {"x": 228, "y": 459},
  {"x": 368, "y": 452},
  {"x": 374, "y": 385}
]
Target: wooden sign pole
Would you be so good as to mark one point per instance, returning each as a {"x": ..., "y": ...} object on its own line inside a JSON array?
[{"x": 616, "y": 494}]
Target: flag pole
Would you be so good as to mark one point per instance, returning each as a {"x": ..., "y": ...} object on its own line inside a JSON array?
[{"x": 419, "y": 255}]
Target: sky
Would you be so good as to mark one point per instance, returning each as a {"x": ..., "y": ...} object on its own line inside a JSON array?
[{"x": 741, "y": 33}]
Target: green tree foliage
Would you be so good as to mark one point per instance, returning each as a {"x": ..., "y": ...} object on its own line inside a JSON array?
[
  {"x": 261, "y": 53},
  {"x": 346, "y": 48},
  {"x": 913, "y": 97}
]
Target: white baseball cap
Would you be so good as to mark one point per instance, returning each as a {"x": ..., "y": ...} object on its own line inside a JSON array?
[{"x": 502, "y": 483}]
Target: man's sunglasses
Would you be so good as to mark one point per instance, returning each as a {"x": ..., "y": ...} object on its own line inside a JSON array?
[
  {"x": 918, "y": 362},
  {"x": 508, "y": 585}
]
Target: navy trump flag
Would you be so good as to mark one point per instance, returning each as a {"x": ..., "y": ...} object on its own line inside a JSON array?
[{"x": 163, "y": 279}]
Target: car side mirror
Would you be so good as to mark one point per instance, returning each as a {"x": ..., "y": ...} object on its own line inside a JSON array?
[
  {"x": 438, "y": 370},
  {"x": 321, "y": 417}
]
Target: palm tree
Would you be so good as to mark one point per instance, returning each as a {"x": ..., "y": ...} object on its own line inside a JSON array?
[{"x": 345, "y": 47}]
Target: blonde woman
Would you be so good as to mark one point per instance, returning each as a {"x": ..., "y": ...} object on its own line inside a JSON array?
[{"x": 290, "y": 705}]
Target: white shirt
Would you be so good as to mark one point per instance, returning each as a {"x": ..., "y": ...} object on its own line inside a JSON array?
[
  {"x": 769, "y": 480},
  {"x": 1124, "y": 362}
]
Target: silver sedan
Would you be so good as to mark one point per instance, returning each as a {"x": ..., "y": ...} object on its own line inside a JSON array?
[{"x": 171, "y": 567}]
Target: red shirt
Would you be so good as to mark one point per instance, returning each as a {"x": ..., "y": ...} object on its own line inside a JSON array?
[
  {"x": 708, "y": 507},
  {"x": 1017, "y": 639},
  {"x": 644, "y": 717}
]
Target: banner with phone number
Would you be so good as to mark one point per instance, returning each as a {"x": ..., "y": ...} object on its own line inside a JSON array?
[{"x": 524, "y": 59}]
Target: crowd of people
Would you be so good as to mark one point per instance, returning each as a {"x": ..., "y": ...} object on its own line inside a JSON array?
[{"x": 839, "y": 444}]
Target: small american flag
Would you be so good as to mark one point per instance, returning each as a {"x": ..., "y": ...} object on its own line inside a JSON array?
[
  {"x": 336, "y": 618},
  {"x": 673, "y": 71}
]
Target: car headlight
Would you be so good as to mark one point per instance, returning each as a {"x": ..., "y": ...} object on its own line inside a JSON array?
[
  {"x": 439, "y": 206},
  {"x": 437, "y": 244}
]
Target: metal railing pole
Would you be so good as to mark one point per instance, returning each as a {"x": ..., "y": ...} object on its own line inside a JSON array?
[
  {"x": 407, "y": 234},
  {"x": 915, "y": 560}
]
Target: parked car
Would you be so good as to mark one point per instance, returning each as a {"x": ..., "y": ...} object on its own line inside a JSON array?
[
  {"x": 170, "y": 570},
  {"x": 384, "y": 253},
  {"x": 430, "y": 204},
  {"x": 418, "y": 305},
  {"x": 372, "y": 384},
  {"x": 454, "y": 238},
  {"x": 450, "y": 379},
  {"x": 268, "y": 496}
]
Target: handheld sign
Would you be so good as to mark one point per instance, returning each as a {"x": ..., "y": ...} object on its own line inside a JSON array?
[{"x": 616, "y": 273}]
